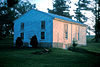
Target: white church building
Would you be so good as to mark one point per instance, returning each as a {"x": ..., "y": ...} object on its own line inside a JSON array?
[{"x": 51, "y": 30}]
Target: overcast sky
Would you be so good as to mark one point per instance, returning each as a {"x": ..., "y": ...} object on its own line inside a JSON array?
[{"x": 44, "y": 4}]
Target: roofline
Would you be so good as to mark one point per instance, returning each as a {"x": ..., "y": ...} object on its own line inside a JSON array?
[
  {"x": 75, "y": 22},
  {"x": 35, "y": 10},
  {"x": 43, "y": 13},
  {"x": 62, "y": 19},
  {"x": 21, "y": 16},
  {"x": 70, "y": 22}
]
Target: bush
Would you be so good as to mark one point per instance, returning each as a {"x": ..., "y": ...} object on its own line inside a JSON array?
[
  {"x": 74, "y": 43},
  {"x": 19, "y": 42},
  {"x": 34, "y": 41}
]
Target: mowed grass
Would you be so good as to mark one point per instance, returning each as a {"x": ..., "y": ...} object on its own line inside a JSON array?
[
  {"x": 93, "y": 47},
  {"x": 12, "y": 57}
]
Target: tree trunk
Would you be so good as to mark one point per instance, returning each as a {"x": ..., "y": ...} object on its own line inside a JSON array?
[{"x": 96, "y": 37}]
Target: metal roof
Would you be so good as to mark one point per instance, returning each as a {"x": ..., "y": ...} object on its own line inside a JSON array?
[
  {"x": 57, "y": 16},
  {"x": 61, "y": 17},
  {"x": 64, "y": 18}
]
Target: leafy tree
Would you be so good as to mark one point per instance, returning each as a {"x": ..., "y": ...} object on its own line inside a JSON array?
[
  {"x": 95, "y": 8},
  {"x": 4, "y": 14},
  {"x": 8, "y": 13},
  {"x": 11, "y": 3},
  {"x": 60, "y": 8},
  {"x": 96, "y": 12},
  {"x": 82, "y": 5},
  {"x": 23, "y": 7}
]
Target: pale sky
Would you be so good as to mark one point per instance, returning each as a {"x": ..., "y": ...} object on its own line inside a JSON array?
[{"x": 42, "y": 5}]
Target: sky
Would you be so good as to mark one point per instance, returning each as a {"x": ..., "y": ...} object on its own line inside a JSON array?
[{"x": 43, "y": 5}]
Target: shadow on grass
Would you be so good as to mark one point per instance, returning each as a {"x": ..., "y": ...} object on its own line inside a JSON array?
[
  {"x": 12, "y": 48},
  {"x": 37, "y": 51},
  {"x": 84, "y": 51}
]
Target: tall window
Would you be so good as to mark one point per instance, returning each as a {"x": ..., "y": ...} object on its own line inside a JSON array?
[
  {"x": 22, "y": 26},
  {"x": 22, "y": 35},
  {"x": 42, "y": 24},
  {"x": 78, "y": 33},
  {"x": 42, "y": 35},
  {"x": 66, "y": 30}
]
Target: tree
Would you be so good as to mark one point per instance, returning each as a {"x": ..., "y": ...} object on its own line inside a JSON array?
[
  {"x": 9, "y": 13},
  {"x": 95, "y": 8},
  {"x": 11, "y": 3},
  {"x": 23, "y": 7},
  {"x": 96, "y": 12},
  {"x": 82, "y": 5},
  {"x": 60, "y": 8}
]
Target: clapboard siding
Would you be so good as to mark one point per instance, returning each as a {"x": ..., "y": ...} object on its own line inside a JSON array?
[
  {"x": 32, "y": 26},
  {"x": 54, "y": 29}
]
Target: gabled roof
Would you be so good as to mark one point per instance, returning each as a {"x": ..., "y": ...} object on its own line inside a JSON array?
[
  {"x": 64, "y": 18},
  {"x": 57, "y": 16},
  {"x": 60, "y": 17}
]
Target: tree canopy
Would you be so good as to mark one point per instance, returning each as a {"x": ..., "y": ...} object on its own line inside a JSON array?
[
  {"x": 96, "y": 12},
  {"x": 8, "y": 13},
  {"x": 61, "y": 8},
  {"x": 11, "y": 3},
  {"x": 82, "y": 5}
]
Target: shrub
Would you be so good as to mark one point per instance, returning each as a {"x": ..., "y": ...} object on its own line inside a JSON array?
[
  {"x": 34, "y": 41},
  {"x": 19, "y": 42},
  {"x": 74, "y": 43}
]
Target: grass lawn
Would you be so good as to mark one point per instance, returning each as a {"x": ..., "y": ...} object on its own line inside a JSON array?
[{"x": 12, "y": 57}]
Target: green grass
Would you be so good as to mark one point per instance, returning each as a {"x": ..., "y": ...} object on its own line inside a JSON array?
[
  {"x": 12, "y": 57},
  {"x": 94, "y": 47}
]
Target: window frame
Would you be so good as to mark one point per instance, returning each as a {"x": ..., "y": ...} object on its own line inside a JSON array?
[
  {"x": 42, "y": 24},
  {"x": 22, "y": 26},
  {"x": 66, "y": 32},
  {"x": 42, "y": 35},
  {"x": 78, "y": 33},
  {"x": 22, "y": 35}
]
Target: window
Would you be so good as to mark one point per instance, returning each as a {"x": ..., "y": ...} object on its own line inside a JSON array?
[
  {"x": 78, "y": 33},
  {"x": 66, "y": 35},
  {"x": 22, "y": 35},
  {"x": 78, "y": 36},
  {"x": 66, "y": 30},
  {"x": 22, "y": 26},
  {"x": 42, "y": 24},
  {"x": 42, "y": 35}
]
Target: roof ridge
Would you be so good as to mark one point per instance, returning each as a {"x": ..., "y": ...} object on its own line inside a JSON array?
[
  {"x": 59, "y": 16},
  {"x": 41, "y": 11},
  {"x": 56, "y": 16}
]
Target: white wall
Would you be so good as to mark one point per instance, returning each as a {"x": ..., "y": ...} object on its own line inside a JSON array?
[{"x": 32, "y": 25}]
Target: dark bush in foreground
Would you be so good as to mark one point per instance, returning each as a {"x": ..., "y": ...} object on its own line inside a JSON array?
[
  {"x": 19, "y": 42},
  {"x": 34, "y": 41},
  {"x": 74, "y": 43}
]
